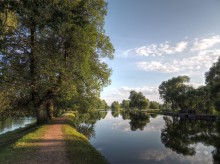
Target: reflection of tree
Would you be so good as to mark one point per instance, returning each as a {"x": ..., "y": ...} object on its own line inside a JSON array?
[
  {"x": 138, "y": 120},
  {"x": 153, "y": 115},
  {"x": 182, "y": 136},
  {"x": 6, "y": 123},
  {"x": 87, "y": 130},
  {"x": 125, "y": 114},
  {"x": 216, "y": 152},
  {"x": 84, "y": 123},
  {"x": 115, "y": 113}
]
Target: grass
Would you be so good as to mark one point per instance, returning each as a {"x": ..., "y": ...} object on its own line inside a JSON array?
[
  {"x": 12, "y": 136},
  {"x": 23, "y": 147},
  {"x": 20, "y": 145},
  {"x": 78, "y": 148}
]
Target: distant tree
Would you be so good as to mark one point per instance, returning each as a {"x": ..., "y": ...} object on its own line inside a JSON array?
[
  {"x": 138, "y": 100},
  {"x": 154, "y": 105},
  {"x": 125, "y": 104},
  {"x": 115, "y": 106},
  {"x": 174, "y": 91},
  {"x": 165, "y": 106},
  {"x": 213, "y": 81}
]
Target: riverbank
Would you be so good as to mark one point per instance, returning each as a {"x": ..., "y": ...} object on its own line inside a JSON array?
[{"x": 55, "y": 142}]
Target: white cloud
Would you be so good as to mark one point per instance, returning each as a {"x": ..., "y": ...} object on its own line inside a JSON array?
[
  {"x": 202, "y": 60},
  {"x": 181, "y": 46},
  {"x": 123, "y": 93},
  {"x": 203, "y": 44},
  {"x": 157, "y": 50},
  {"x": 157, "y": 66}
]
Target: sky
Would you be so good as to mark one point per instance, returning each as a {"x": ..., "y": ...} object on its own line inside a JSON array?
[{"x": 156, "y": 40}]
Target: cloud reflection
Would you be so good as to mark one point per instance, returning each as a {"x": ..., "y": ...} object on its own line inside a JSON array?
[{"x": 203, "y": 156}]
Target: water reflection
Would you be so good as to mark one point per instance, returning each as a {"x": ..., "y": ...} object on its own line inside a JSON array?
[
  {"x": 136, "y": 137},
  {"x": 11, "y": 124},
  {"x": 153, "y": 115},
  {"x": 138, "y": 120},
  {"x": 182, "y": 136},
  {"x": 85, "y": 123},
  {"x": 115, "y": 113}
]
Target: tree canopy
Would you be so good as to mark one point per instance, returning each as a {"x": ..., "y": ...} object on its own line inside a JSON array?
[
  {"x": 51, "y": 55},
  {"x": 115, "y": 106},
  {"x": 138, "y": 100},
  {"x": 174, "y": 91},
  {"x": 213, "y": 81}
]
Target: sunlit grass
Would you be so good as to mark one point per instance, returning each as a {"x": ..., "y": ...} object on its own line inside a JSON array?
[
  {"x": 79, "y": 150},
  {"x": 24, "y": 147}
]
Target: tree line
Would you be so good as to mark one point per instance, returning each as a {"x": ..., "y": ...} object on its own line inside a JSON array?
[
  {"x": 50, "y": 56},
  {"x": 136, "y": 101},
  {"x": 178, "y": 94}
]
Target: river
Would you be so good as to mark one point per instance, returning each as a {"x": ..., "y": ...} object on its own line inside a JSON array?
[
  {"x": 11, "y": 124},
  {"x": 134, "y": 139}
]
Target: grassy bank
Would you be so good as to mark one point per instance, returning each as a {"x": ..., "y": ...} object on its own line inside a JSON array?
[
  {"x": 21, "y": 145},
  {"x": 24, "y": 147},
  {"x": 79, "y": 150}
]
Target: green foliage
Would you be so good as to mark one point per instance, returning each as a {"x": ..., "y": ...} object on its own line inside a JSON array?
[
  {"x": 52, "y": 58},
  {"x": 213, "y": 82},
  {"x": 199, "y": 100},
  {"x": 79, "y": 150},
  {"x": 125, "y": 104},
  {"x": 138, "y": 100},
  {"x": 154, "y": 105},
  {"x": 115, "y": 106},
  {"x": 101, "y": 104},
  {"x": 174, "y": 91},
  {"x": 177, "y": 94}
]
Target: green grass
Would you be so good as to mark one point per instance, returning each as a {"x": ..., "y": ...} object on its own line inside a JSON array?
[
  {"x": 78, "y": 148},
  {"x": 23, "y": 147},
  {"x": 20, "y": 145},
  {"x": 12, "y": 136}
]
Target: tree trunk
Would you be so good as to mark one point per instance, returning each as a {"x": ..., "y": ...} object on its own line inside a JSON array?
[
  {"x": 41, "y": 115},
  {"x": 50, "y": 108}
]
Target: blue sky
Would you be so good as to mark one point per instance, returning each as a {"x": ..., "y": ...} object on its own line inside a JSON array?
[{"x": 155, "y": 40}]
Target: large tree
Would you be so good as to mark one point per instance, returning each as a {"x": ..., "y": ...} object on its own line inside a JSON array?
[
  {"x": 213, "y": 81},
  {"x": 125, "y": 104},
  {"x": 154, "y": 105},
  {"x": 138, "y": 100},
  {"x": 174, "y": 91},
  {"x": 52, "y": 56},
  {"x": 115, "y": 106}
]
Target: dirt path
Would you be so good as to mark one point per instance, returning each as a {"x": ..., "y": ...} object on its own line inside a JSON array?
[{"x": 52, "y": 146}]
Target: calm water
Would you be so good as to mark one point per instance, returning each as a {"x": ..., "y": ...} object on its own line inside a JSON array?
[
  {"x": 11, "y": 124},
  {"x": 155, "y": 139}
]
